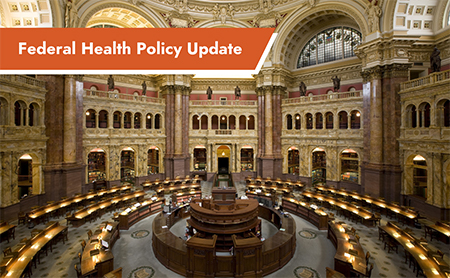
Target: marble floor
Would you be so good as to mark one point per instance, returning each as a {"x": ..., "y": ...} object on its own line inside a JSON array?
[{"x": 133, "y": 251}]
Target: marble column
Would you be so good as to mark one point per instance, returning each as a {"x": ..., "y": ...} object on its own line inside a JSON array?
[
  {"x": 268, "y": 122},
  {"x": 70, "y": 119}
]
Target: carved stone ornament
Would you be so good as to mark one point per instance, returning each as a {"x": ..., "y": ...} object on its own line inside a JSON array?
[
  {"x": 177, "y": 20},
  {"x": 222, "y": 12},
  {"x": 269, "y": 20}
]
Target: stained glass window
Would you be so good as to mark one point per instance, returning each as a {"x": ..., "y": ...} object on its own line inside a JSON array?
[{"x": 329, "y": 45}]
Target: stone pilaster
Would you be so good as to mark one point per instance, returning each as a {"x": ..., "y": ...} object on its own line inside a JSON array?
[{"x": 380, "y": 170}]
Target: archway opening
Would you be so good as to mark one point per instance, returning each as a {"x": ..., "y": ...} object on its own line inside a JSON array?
[
  {"x": 319, "y": 166},
  {"x": 96, "y": 165},
  {"x": 200, "y": 158},
  {"x": 247, "y": 158},
  {"x": 223, "y": 159},
  {"x": 349, "y": 165},
  {"x": 127, "y": 172},
  {"x": 420, "y": 176},
  {"x": 25, "y": 176},
  {"x": 90, "y": 118},
  {"x": 293, "y": 160},
  {"x": 153, "y": 161}
]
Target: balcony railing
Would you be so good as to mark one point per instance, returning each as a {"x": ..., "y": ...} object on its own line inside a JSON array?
[
  {"x": 327, "y": 97},
  {"x": 24, "y": 79},
  {"x": 120, "y": 96},
  {"x": 223, "y": 102},
  {"x": 433, "y": 78}
]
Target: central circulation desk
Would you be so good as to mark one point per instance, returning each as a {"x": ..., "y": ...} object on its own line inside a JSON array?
[
  {"x": 95, "y": 260},
  {"x": 201, "y": 259}
]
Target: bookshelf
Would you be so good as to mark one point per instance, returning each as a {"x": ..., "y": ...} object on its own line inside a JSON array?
[
  {"x": 153, "y": 162},
  {"x": 199, "y": 159},
  {"x": 247, "y": 160},
  {"x": 96, "y": 166}
]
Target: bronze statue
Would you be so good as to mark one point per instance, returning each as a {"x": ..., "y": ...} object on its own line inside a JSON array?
[
  {"x": 237, "y": 92},
  {"x": 302, "y": 89},
  {"x": 110, "y": 83},
  {"x": 144, "y": 88},
  {"x": 209, "y": 92},
  {"x": 336, "y": 83},
  {"x": 435, "y": 60}
]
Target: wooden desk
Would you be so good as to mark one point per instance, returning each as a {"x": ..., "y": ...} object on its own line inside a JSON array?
[
  {"x": 350, "y": 257},
  {"x": 7, "y": 231},
  {"x": 79, "y": 217},
  {"x": 116, "y": 273},
  {"x": 428, "y": 264},
  {"x": 25, "y": 253},
  {"x": 441, "y": 229},
  {"x": 403, "y": 214},
  {"x": 133, "y": 214},
  {"x": 316, "y": 216},
  {"x": 103, "y": 262},
  {"x": 367, "y": 217}
]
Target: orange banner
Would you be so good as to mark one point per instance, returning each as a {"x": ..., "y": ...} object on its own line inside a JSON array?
[{"x": 53, "y": 49}]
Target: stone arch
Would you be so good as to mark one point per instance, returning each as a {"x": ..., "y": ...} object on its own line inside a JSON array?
[
  {"x": 95, "y": 164},
  {"x": 36, "y": 171},
  {"x": 408, "y": 173},
  {"x": 340, "y": 163},
  {"x": 87, "y": 12},
  {"x": 304, "y": 14},
  {"x": 4, "y": 111}
]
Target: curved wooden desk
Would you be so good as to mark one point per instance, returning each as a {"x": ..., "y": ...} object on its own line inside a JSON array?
[{"x": 173, "y": 252}]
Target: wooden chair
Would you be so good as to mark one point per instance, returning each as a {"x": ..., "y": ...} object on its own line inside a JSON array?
[
  {"x": 367, "y": 257},
  {"x": 377, "y": 218},
  {"x": 22, "y": 218},
  {"x": 79, "y": 256},
  {"x": 391, "y": 244},
  {"x": 78, "y": 271},
  {"x": 83, "y": 244},
  {"x": 368, "y": 271},
  {"x": 89, "y": 233},
  {"x": 7, "y": 251}
]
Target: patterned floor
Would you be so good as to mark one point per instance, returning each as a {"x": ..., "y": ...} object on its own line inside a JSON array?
[{"x": 133, "y": 252}]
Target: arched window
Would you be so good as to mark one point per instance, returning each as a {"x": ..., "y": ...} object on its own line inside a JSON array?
[
  {"x": 137, "y": 120},
  {"x": 288, "y": 121},
  {"x": 33, "y": 115},
  {"x": 420, "y": 176},
  {"x": 413, "y": 116},
  {"x": 309, "y": 121},
  {"x": 148, "y": 121},
  {"x": 90, "y": 118},
  {"x": 329, "y": 120},
  {"x": 215, "y": 122},
  {"x": 103, "y": 119},
  {"x": 343, "y": 120},
  {"x": 251, "y": 122},
  {"x": 195, "y": 122},
  {"x": 223, "y": 122},
  {"x": 153, "y": 161},
  {"x": 355, "y": 119},
  {"x": 117, "y": 120},
  {"x": 157, "y": 121},
  {"x": 329, "y": 45},
  {"x": 319, "y": 121},
  {"x": 25, "y": 176},
  {"x": 3, "y": 111},
  {"x": 349, "y": 165},
  {"x": 232, "y": 121},
  {"x": 293, "y": 160},
  {"x": 204, "y": 122},
  {"x": 424, "y": 115},
  {"x": 20, "y": 113},
  {"x": 242, "y": 122},
  {"x": 298, "y": 123},
  {"x": 127, "y": 120},
  {"x": 443, "y": 109}
]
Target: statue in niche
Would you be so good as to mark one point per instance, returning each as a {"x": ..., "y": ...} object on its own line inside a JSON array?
[
  {"x": 312, "y": 3},
  {"x": 435, "y": 60},
  {"x": 71, "y": 15},
  {"x": 110, "y": 83},
  {"x": 302, "y": 89},
  {"x": 209, "y": 92},
  {"x": 237, "y": 92},
  {"x": 336, "y": 83},
  {"x": 374, "y": 13},
  {"x": 144, "y": 88}
]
